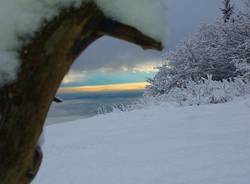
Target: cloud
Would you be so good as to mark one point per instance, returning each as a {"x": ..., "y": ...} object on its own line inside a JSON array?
[
  {"x": 75, "y": 76},
  {"x": 148, "y": 68},
  {"x": 121, "y": 74},
  {"x": 109, "y": 53}
]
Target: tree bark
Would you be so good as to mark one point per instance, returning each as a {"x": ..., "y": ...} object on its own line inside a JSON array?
[{"x": 45, "y": 60}]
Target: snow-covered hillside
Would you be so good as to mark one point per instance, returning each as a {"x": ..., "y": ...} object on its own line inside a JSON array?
[{"x": 164, "y": 144}]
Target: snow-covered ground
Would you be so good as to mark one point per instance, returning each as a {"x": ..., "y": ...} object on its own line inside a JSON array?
[{"x": 163, "y": 144}]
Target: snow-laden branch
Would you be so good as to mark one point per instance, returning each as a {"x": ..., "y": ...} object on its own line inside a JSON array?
[{"x": 20, "y": 19}]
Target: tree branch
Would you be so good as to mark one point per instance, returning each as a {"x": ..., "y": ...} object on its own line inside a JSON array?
[{"x": 124, "y": 32}]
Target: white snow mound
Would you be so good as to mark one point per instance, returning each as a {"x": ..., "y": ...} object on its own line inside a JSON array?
[
  {"x": 23, "y": 17},
  {"x": 207, "y": 144}
]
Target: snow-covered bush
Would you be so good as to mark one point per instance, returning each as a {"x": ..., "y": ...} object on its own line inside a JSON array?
[
  {"x": 164, "y": 80},
  {"x": 106, "y": 109},
  {"x": 22, "y": 18},
  {"x": 242, "y": 61},
  {"x": 220, "y": 50},
  {"x": 206, "y": 91}
]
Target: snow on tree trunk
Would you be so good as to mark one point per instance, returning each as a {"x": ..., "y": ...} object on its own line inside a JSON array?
[{"x": 45, "y": 61}]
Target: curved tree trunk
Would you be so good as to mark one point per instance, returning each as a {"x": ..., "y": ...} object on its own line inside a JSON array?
[{"x": 46, "y": 59}]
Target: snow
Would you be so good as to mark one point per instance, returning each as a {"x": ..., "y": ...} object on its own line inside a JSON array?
[
  {"x": 41, "y": 140},
  {"x": 148, "y": 16},
  {"x": 23, "y": 17},
  {"x": 208, "y": 144}
]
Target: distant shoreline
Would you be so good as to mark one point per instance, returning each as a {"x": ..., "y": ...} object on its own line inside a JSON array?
[{"x": 85, "y": 105}]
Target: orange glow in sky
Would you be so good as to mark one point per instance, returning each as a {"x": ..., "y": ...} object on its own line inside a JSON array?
[{"x": 103, "y": 88}]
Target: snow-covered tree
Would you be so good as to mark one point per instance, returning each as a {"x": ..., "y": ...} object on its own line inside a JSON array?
[
  {"x": 242, "y": 61},
  {"x": 39, "y": 41},
  {"x": 205, "y": 53},
  {"x": 228, "y": 10},
  {"x": 220, "y": 50}
]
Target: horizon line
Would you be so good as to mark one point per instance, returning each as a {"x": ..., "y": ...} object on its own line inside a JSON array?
[{"x": 135, "y": 86}]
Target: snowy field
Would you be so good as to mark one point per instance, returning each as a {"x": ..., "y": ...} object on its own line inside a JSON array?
[{"x": 164, "y": 144}]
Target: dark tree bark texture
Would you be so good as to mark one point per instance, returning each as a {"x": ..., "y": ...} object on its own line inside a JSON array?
[{"x": 46, "y": 59}]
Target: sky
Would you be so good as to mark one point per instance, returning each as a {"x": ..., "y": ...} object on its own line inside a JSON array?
[{"x": 110, "y": 61}]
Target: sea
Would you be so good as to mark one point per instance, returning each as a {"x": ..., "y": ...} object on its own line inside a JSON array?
[{"x": 85, "y": 105}]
